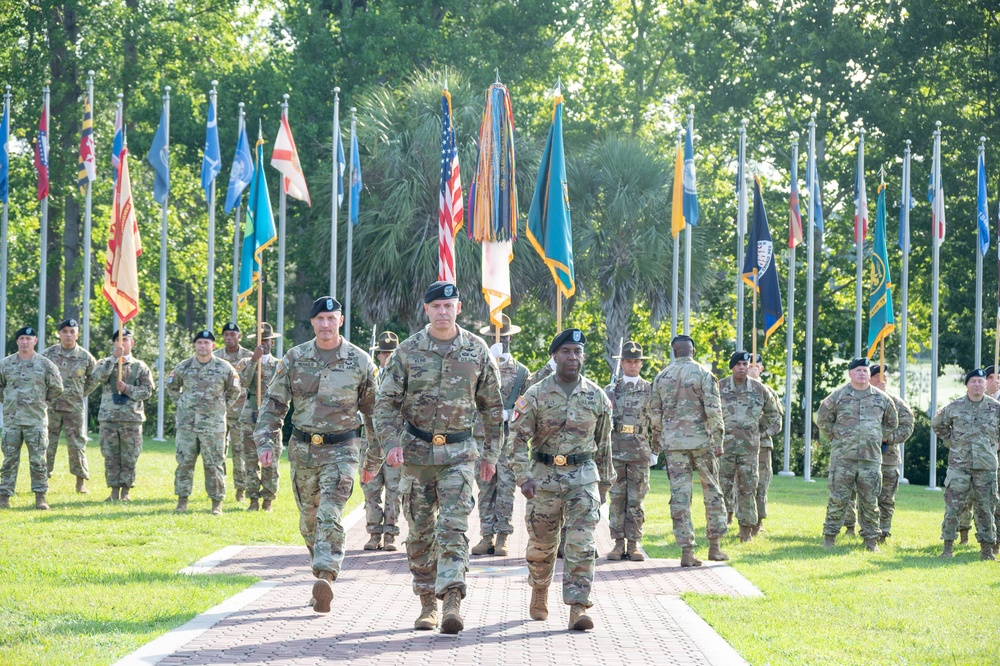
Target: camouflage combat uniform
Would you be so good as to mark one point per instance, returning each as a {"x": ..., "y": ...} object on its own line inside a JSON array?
[
  {"x": 971, "y": 431},
  {"x": 437, "y": 388},
  {"x": 855, "y": 422},
  {"x": 684, "y": 414},
  {"x": 630, "y": 453},
  {"x": 765, "y": 464},
  {"x": 259, "y": 482},
  {"x": 559, "y": 425},
  {"x": 328, "y": 389},
  {"x": 121, "y": 425},
  {"x": 26, "y": 387},
  {"x": 749, "y": 410},
  {"x": 204, "y": 392},
  {"x": 76, "y": 366},
  {"x": 381, "y": 517},
  {"x": 234, "y": 429}
]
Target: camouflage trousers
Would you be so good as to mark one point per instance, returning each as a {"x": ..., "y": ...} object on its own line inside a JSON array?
[
  {"x": 259, "y": 482},
  {"x": 886, "y": 501},
  {"x": 437, "y": 501},
  {"x": 496, "y": 499},
  {"x": 965, "y": 518},
  {"x": 383, "y": 517},
  {"x": 212, "y": 447},
  {"x": 625, "y": 511},
  {"x": 577, "y": 508},
  {"x": 845, "y": 477},
  {"x": 681, "y": 466},
  {"x": 35, "y": 439},
  {"x": 322, "y": 485},
  {"x": 234, "y": 450},
  {"x": 76, "y": 441},
  {"x": 738, "y": 477},
  {"x": 765, "y": 472},
  {"x": 121, "y": 444},
  {"x": 959, "y": 485}
]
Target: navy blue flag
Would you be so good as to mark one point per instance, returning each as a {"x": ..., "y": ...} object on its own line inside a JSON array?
[
  {"x": 159, "y": 159},
  {"x": 211, "y": 162},
  {"x": 241, "y": 172},
  {"x": 982, "y": 210},
  {"x": 355, "y": 178},
  {"x": 760, "y": 270}
]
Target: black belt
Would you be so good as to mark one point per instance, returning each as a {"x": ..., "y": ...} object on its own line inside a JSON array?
[
  {"x": 439, "y": 438},
  {"x": 559, "y": 461},
  {"x": 629, "y": 429},
  {"x": 327, "y": 439}
]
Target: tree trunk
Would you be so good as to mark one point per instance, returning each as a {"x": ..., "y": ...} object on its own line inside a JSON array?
[{"x": 616, "y": 306}]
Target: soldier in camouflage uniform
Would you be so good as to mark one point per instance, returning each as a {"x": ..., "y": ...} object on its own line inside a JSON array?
[
  {"x": 765, "y": 466},
  {"x": 856, "y": 418},
  {"x": 496, "y": 496},
  {"x": 75, "y": 365},
  {"x": 382, "y": 519},
  {"x": 965, "y": 518},
  {"x": 233, "y": 353},
  {"x": 122, "y": 413},
  {"x": 331, "y": 386},
  {"x": 970, "y": 428},
  {"x": 630, "y": 453},
  {"x": 749, "y": 409},
  {"x": 261, "y": 483},
  {"x": 28, "y": 382},
  {"x": 204, "y": 388},
  {"x": 566, "y": 476},
  {"x": 684, "y": 414},
  {"x": 435, "y": 383}
]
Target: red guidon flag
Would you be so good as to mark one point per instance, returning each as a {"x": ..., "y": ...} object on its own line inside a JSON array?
[{"x": 121, "y": 274}]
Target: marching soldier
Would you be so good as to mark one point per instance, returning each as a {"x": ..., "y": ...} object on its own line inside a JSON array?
[
  {"x": 76, "y": 365},
  {"x": 233, "y": 353},
  {"x": 765, "y": 468},
  {"x": 890, "y": 455},
  {"x": 630, "y": 454},
  {"x": 381, "y": 523},
  {"x": 261, "y": 483},
  {"x": 28, "y": 382}
]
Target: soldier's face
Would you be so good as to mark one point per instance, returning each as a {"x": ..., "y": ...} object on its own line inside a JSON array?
[
  {"x": 569, "y": 362},
  {"x": 505, "y": 343},
  {"x": 326, "y": 326},
  {"x": 231, "y": 338},
  {"x": 756, "y": 370},
  {"x": 976, "y": 388},
  {"x": 383, "y": 358},
  {"x": 860, "y": 376},
  {"x": 68, "y": 335},
  {"x": 631, "y": 367},
  {"x": 203, "y": 348},
  {"x": 266, "y": 345},
  {"x": 443, "y": 314},
  {"x": 26, "y": 343},
  {"x": 125, "y": 344},
  {"x": 878, "y": 381},
  {"x": 740, "y": 370}
]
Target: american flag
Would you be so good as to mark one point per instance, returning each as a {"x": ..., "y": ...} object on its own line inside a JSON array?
[
  {"x": 450, "y": 212},
  {"x": 42, "y": 156}
]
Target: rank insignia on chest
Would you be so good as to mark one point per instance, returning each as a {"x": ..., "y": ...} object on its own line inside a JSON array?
[{"x": 521, "y": 404}]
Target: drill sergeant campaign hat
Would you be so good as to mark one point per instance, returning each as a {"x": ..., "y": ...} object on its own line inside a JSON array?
[
  {"x": 506, "y": 329},
  {"x": 572, "y": 336},
  {"x": 631, "y": 351},
  {"x": 387, "y": 342},
  {"x": 266, "y": 333},
  {"x": 325, "y": 304}
]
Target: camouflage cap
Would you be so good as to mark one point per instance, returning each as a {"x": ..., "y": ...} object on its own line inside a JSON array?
[
  {"x": 67, "y": 322},
  {"x": 738, "y": 357},
  {"x": 972, "y": 374},
  {"x": 571, "y": 336}
]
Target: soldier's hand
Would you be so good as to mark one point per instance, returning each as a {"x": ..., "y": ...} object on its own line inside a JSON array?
[
  {"x": 257, "y": 353},
  {"x": 528, "y": 488},
  {"x": 395, "y": 457},
  {"x": 367, "y": 476},
  {"x": 120, "y": 386},
  {"x": 118, "y": 352},
  {"x": 266, "y": 458},
  {"x": 486, "y": 471},
  {"x": 717, "y": 451}
]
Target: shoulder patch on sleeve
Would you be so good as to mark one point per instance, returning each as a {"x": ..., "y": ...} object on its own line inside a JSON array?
[
  {"x": 170, "y": 377},
  {"x": 521, "y": 404}
]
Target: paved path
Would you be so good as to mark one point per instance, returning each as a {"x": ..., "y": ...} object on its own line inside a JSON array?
[{"x": 639, "y": 616}]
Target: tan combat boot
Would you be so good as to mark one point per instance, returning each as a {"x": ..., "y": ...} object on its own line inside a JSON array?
[
  {"x": 451, "y": 620},
  {"x": 4, "y": 501},
  {"x": 125, "y": 496},
  {"x": 829, "y": 540},
  {"x": 871, "y": 545},
  {"x": 986, "y": 551},
  {"x": 618, "y": 552},
  {"x": 216, "y": 507},
  {"x": 428, "y": 612},
  {"x": 389, "y": 543},
  {"x": 578, "y": 618},
  {"x": 240, "y": 495},
  {"x": 484, "y": 547},
  {"x": 322, "y": 592},
  {"x": 113, "y": 497},
  {"x": 715, "y": 551},
  {"x": 374, "y": 542},
  {"x": 40, "y": 502},
  {"x": 266, "y": 505},
  {"x": 729, "y": 518},
  {"x": 963, "y": 534},
  {"x": 539, "y": 607},
  {"x": 81, "y": 485},
  {"x": 688, "y": 559},
  {"x": 633, "y": 553},
  {"x": 182, "y": 504},
  {"x": 254, "y": 504},
  {"x": 745, "y": 535},
  {"x": 500, "y": 550},
  {"x": 948, "y": 549}
]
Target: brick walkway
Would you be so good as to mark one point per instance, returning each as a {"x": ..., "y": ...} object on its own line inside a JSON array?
[{"x": 638, "y": 615}]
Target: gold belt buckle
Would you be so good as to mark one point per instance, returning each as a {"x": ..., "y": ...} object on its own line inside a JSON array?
[
  {"x": 628, "y": 429},
  {"x": 438, "y": 440},
  {"x": 559, "y": 460},
  {"x": 317, "y": 439}
]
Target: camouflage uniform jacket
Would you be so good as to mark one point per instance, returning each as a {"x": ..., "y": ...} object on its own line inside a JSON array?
[
  {"x": 684, "y": 411},
  {"x": 749, "y": 411},
  {"x": 971, "y": 431},
  {"x": 765, "y": 435},
  {"x": 247, "y": 370},
  {"x": 327, "y": 396},
  {"x": 204, "y": 392},
  {"x": 857, "y": 422},
  {"x": 890, "y": 448},
  {"x": 441, "y": 395},
  {"x": 241, "y": 353},
  {"x": 76, "y": 366},
  {"x": 26, "y": 387},
  {"x": 508, "y": 377},
  {"x": 558, "y": 424},
  {"x": 627, "y": 402},
  {"x": 138, "y": 387}
]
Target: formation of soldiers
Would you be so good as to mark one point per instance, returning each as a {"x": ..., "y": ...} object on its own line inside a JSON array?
[{"x": 446, "y": 417}]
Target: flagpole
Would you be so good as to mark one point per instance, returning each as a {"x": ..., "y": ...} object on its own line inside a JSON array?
[
  {"x": 741, "y": 225},
  {"x": 753, "y": 326},
  {"x": 260, "y": 317},
  {"x": 3, "y": 243},
  {"x": 44, "y": 230},
  {"x": 687, "y": 243},
  {"x": 807, "y": 367},
  {"x": 904, "y": 284},
  {"x": 336, "y": 191},
  {"x": 350, "y": 233},
  {"x": 675, "y": 286},
  {"x": 87, "y": 233},
  {"x": 236, "y": 232},
  {"x": 859, "y": 244},
  {"x": 210, "y": 297},
  {"x": 161, "y": 358},
  {"x": 790, "y": 322},
  {"x": 935, "y": 284},
  {"x": 979, "y": 272},
  {"x": 282, "y": 209}
]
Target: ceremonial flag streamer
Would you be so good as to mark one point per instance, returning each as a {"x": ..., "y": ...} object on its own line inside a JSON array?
[
  {"x": 86, "y": 170},
  {"x": 42, "y": 155},
  {"x": 677, "y": 203},
  {"x": 493, "y": 195},
  {"x": 211, "y": 161},
  {"x": 880, "y": 318},
  {"x": 285, "y": 159},
  {"x": 759, "y": 268},
  {"x": 450, "y": 212},
  {"x": 241, "y": 173},
  {"x": 258, "y": 230},
  {"x": 121, "y": 274},
  {"x": 159, "y": 159}
]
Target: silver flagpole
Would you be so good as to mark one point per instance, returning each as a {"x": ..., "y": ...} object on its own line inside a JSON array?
[
  {"x": 350, "y": 232},
  {"x": 741, "y": 225},
  {"x": 859, "y": 244},
  {"x": 334, "y": 206},
  {"x": 904, "y": 285},
  {"x": 935, "y": 284},
  {"x": 282, "y": 211},
  {"x": 675, "y": 287},
  {"x": 236, "y": 231},
  {"x": 3, "y": 244},
  {"x": 44, "y": 230},
  {"x": 790, "y": 324},
  {"x": 979, "y": 274},
  {"x": 161, "y": 358},
  {"x": 687, "y": 243},
  {"x": 807, "y": 367},
  {"x": 87, "y": 233},
  {"x": 210, "y": 298}
]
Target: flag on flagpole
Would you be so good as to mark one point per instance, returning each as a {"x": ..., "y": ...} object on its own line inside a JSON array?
[
  {"x": 4, "y": 154},
  {"x": 355, "y": 177},
  {"x": 211, "y": 161},
  {"x": 450, "y": 213},
  {"x": 159, "y": 159},
  {"x": 677, "y": 204},
  {"x": 982, "y": 208},
  {"x": 760, "y": 271},
  {"x": 815, "y": 197},
  {"x": 903, "y": 242},
  {"x": 258, "y": 230},
  {"x": 341, "y": 166},
  {"x": 285, "y": 158},
  {"x": 549, "y": 226},
  {"x": 121, "y": 274},
  {"x": 794, "y": 217},
  {"x": 86, "y": 171},
  {"x": 880, "y": 318},
  {"x": 42, "y": 156},
  {"x": 493, "y": 193},
  {"x": 116, "y": 144},
  {"x": 690, "y": 185},
  {"x": 241, "y": 173},
  {"x": 860, "y": 200},
  {"x": 496, "y": 277},
  {"x": 937, "y": 200}
]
